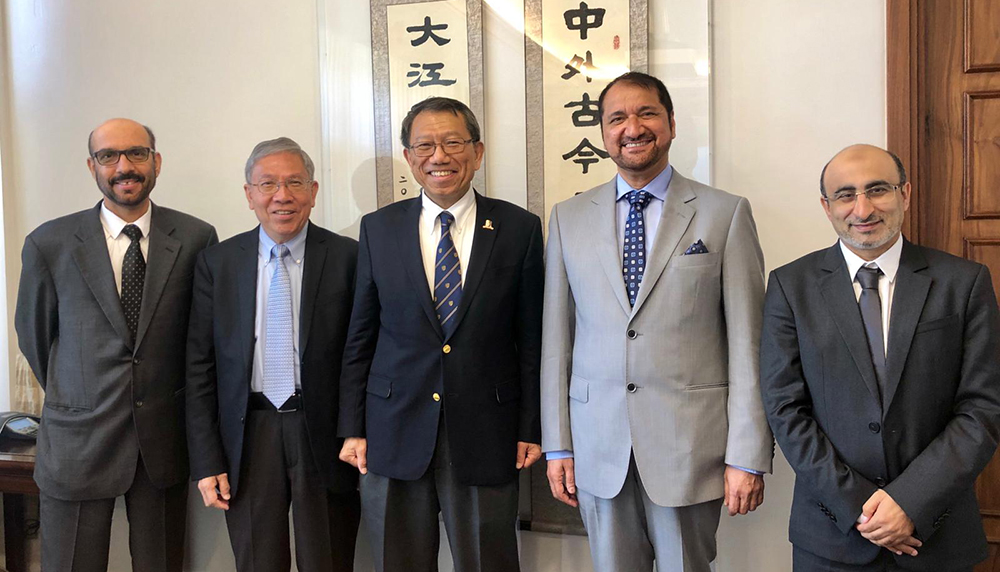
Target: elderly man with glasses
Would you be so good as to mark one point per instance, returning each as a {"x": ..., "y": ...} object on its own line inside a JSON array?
[
  {"x": 101, "y": 317},
  {"x": 268, "y": 324}
]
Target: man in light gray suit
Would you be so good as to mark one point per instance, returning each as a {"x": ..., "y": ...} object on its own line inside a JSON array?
[
  {"x": 102, "y": 316},
  {"x": 651, "y": 413}
]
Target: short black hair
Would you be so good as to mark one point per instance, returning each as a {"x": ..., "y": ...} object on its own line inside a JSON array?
[
  {"x": 152, "y": 140},
  {"x": 900, "y": 170},
  {"x": 642, "y": 80},
  {"x": 439, "y": 104}
]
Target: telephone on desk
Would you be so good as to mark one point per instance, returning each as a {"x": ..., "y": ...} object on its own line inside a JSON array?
[{"x": 18, "y": 425}]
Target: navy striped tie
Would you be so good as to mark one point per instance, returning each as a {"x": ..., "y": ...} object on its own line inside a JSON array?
[{"x": 447, "y": 277}]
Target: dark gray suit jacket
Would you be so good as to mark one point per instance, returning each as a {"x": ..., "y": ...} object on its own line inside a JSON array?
[
  {"x": 936, "y": 429},
  {"x": 107, "y": 399}
]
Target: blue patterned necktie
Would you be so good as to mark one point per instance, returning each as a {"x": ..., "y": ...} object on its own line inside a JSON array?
[
  {"x": 133, "y": 277},
  {"x": 279, "y": 351},
  {"x": 634, "y": 255},
  {"x": 447, "y": 277}
]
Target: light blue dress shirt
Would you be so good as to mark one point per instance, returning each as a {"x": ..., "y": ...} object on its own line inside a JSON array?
[{"x": 265, "y": 270}]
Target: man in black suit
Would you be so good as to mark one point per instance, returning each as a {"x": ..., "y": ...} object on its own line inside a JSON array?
[
  {"x": 440, "y": 380},
  {"x": 880, "y": 378},
  {"x": 101, "y": 318},
  {"x": 268, "y": 323}
]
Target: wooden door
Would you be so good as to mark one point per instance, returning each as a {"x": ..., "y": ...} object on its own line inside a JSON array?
[{"x": 943, "y": 93}]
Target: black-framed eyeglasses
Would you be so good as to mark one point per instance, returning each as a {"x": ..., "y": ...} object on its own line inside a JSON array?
[
  {"x": 133, "y": 154},
  {"x": 451, "y": 147},
  {"x": 878, "y": 195},
  {"x": 271, "y": 187}
]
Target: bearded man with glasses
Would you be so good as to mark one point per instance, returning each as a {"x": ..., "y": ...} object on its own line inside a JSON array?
[
  {"x": 880, "y": 379},
  {"x": 101, "y": 317}
]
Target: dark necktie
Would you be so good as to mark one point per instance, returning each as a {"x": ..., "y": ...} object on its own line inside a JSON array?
[
  {"x": 447, "y": 277},
  {"x": 871, "y": 313},
  {"x": 133, "y": 276},
  {"x": 634, "y": 252}
]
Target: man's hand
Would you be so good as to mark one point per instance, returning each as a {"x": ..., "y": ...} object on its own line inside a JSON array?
[
  {"x": 883, "y": 522},
  {"x": 562, "y": 480},
  {"x": 215, "y": 491},
  {"x": 527, "y": 454},
  {"x": 355, "y": 452},
  {"x": 744, "y": 491}
]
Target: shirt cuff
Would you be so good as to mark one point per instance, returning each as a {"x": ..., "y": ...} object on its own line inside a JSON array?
[
  {"x": 746, "y": 470},
  {"x": 557, "y": 455}
]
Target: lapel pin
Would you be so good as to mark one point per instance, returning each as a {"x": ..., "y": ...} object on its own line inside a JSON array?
[{"x": 488, "y": 225}]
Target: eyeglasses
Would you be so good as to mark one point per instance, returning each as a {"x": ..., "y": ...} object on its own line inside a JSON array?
[
  {"x": 133, "y": 154},
  {"x": 271, "y": 187},
  {"x": 451, "y": 147},
  {"x": 878, "y": 196}
]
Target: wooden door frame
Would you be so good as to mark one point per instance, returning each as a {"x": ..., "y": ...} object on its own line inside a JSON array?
[{"x": 903, "y": 85}]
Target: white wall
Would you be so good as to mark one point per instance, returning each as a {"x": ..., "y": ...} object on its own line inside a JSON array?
[{"x": 793, "y": 82}]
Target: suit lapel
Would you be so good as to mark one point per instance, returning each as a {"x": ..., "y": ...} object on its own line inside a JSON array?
[
  {"x": 407, "y": 225},
  {"x": 604, "y": 221},
  {"x": 161, "y": 255},
  {"x": 246, "y": 293},
  {"x": 482, "y": 247},
  {"x": 315, "y": 258},
  {"x": 91, "y": 256},
  {"x": 838, "y": 292},
  {"x": 908, "y": 299},
  {"x": 674, "y": 220}
]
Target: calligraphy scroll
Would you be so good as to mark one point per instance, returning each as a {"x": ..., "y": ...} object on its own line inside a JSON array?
[{"x": 420, "y": 49}]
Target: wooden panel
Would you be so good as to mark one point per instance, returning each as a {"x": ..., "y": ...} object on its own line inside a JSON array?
[
  {"x": 987, "y": 251},
  {"x": 901, "y": 107},
  {"x": 982, "y": 30},
  {"x": 981, "y": 154}
]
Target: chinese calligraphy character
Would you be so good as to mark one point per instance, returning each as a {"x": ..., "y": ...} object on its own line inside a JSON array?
[
  {"x": 428, "y": 33},
  {"x": 586, "y": 155},
  {"x": 587, "y": 115},
  {"x": 433, "y": 75},
  {"x": 575, "y": 65},
  {"x": 583, "y": 19}
]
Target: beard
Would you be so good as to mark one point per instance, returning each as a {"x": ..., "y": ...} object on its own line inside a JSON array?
[
  {"x": 641, "y": 163},
  {"x": 893, "y": 225},
  {"x": 107, "y": 187}
]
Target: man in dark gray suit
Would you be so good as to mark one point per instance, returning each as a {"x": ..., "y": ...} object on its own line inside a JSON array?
[
  {"x": 880, "y": 379},
  {"x": 101, "y": 317}
]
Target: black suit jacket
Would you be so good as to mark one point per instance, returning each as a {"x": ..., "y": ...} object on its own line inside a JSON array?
[
  {"x": 221, "y": 345},
  {"x": 936, "y": 429},
  {"x": 486, "y": 372},
  {"x": 107, "y": 398}
]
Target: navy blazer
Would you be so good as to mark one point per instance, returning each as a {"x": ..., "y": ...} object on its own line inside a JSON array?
[
  {"x": 927, "y": 440},
  {"x": 221, "y": 344},
  {"x": 485, "y": 373}
]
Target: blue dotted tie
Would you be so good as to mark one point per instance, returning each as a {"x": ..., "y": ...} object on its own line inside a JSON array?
[
  {"x": 447, "y": 277},
  {"x": 634, "y": 255},
  {"x": 133, "y": 277},
  {"x": 279, "y": 351}
]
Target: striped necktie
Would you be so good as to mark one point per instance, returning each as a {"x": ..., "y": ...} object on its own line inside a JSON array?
[{"x": 447, "y": 277}]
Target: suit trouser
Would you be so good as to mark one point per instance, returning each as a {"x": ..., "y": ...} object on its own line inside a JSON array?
[
  {"x": 628, "y": 532},
  {"x": 277, "y": 470},
  {"x": 805, "y": 561},
  {"x": 402, "y": 519},
  {"x": 76, "y": 535}
]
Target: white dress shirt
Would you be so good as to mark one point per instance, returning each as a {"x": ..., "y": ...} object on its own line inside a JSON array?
[
  {"x": 462, "y": 232},
  {"x": 889, "y": 264},
  {"x": 265, "y": 271},
  {"x": 118, "y": 242}
]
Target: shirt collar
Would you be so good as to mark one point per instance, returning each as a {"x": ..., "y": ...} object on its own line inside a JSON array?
[
  {"x": 888, "y": 262},
  {"x": 657, "y": 187},
  {"x": 113, "y": 224},
  {"x": 296, "y": 246},
  {"x": 460, "y": 210}
]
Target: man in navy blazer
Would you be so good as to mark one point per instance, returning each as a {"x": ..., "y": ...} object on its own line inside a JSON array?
[
  {"x": 880, "y": 378},
  {"x": 439, "y": 398}
]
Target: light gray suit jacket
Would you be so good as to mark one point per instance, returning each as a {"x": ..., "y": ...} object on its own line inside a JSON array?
[
  {"x": 690, "y": 346},
  {"x": 106, "y": 398}
]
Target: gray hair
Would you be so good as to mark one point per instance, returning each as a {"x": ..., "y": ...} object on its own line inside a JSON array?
[{"x": 274, "y": 146}]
